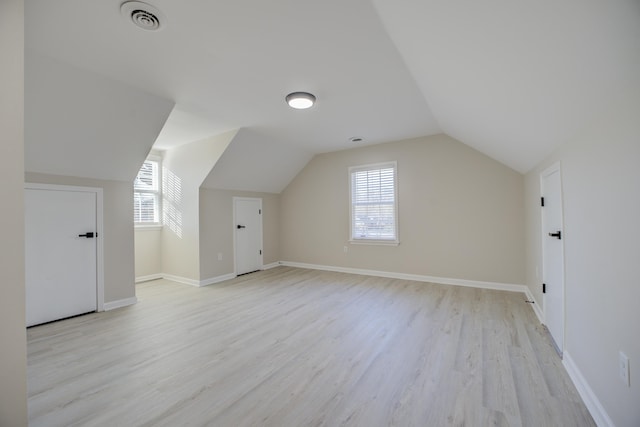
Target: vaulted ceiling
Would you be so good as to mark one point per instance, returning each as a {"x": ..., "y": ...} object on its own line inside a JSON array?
[{"x": 513, "y": 79}]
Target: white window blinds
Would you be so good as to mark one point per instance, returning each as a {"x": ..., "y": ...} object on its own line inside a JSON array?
[
  {"x": 146, "y": 194},
  {"x": 374, "y": 203}
]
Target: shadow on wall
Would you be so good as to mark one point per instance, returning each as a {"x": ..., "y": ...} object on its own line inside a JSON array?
[{"x": 172, "y": 201}]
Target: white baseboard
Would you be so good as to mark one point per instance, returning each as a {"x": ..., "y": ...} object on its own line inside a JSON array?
[
  {"x": 415, "y": 277},
  {"x": 590, "y": 399},
  {"x": 217, "y": 279},
  {"x": 112, "y": 305},
  {"x": 180, "y": 279},
  {"x": 272, "y": 265},
  {"x": 148, "y": 278},
  {"x": 535, "y": 306},
  {"x": 198, "y": 283}
]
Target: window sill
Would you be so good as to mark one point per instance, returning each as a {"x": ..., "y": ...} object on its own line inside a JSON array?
[
  {"x": 375, "y": 242},
  {"x": 154, "y": 227}
]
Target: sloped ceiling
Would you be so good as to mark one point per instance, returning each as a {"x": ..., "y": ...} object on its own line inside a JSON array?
[
  {"x": 254, "y": 162},
  {"x": 229, "y": 64},
  {"x": 513, "y": 79},
  {"x": 78, "y": 123}
]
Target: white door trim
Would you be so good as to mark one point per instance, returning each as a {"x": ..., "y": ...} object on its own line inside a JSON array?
[
  {"x": 555, "y": 167},
  {"x": 233, "y": 225},
  {"x": 99, "y": 229}
]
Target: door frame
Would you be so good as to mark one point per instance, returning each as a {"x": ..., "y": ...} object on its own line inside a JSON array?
[
  {"x": 99, "y": 229},
  {"x": 233, "y": 225},
  {"x": 555, "y": 167}
]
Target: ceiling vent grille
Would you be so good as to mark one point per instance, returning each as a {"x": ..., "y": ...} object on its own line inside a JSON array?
[{"x": 143, "y": 15}]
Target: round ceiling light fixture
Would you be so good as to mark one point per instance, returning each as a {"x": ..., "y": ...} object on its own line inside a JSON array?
[
  {"x": 143, "y": 15},
  {"x": 300, "y": 100}
]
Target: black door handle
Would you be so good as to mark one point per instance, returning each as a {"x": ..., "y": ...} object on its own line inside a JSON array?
[
  {"x": 557, "y": 234},
  {"x": 241, "y": 226},
  {"x": 88, "y": 235}
]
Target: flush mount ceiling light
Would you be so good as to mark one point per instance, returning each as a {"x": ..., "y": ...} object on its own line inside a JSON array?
[
  {"x": 143, "y": 15},
  {"x": 356, "y": 139},
  {"x": 300, "y": 100}
]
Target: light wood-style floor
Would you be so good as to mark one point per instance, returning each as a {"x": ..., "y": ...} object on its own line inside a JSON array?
[{"x": 293, "y": 347}]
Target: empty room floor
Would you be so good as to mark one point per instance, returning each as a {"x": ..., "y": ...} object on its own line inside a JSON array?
[{"x": 294, "y": 347}]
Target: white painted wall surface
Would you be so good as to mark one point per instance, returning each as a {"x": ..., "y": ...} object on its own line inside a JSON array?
[
  {"x": 148, "y": 251},
  {"x": 216, "y": 230},
  {"x": 118, "y": 231},
  {"x": 460, "y": 213},
  {"x": 601, "y": 184},
  {"x": 184, "y": 169},
  {"x": 13, "y": 346}
]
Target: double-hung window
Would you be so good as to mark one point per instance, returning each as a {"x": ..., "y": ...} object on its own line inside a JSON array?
[
  {"x": 147, "y": 194},
  {"x": 374, "y": 203}
]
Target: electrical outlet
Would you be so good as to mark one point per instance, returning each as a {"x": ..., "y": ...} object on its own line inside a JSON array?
[
  {"x": 346, "y": 249},
  {"x": 623, "y": 369},
  {"x": 219, "y": 256}
]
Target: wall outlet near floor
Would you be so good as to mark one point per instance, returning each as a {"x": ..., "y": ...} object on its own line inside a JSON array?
[
  {"x": 623, "y": 369},
  {"x": 346, "y": 249},
  {"x": 219, "y": 256}
]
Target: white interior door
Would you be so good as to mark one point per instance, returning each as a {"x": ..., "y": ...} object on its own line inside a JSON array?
[
  {"x": 248, "y": 234},
  {"x": 60, "y": 264},
  {"x": 553, "y": 254}
]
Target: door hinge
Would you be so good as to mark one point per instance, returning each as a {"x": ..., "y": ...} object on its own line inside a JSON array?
[
  {"x": 259, "y": 211},
  {"x": 260, "y": 251},
  {"x": 541, "y": 201},
  {"x": 544, "y": 288},
  {"x": 557, "y": 234}
]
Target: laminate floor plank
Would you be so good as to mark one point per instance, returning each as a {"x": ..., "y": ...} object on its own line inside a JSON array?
[{"x": 294, "y": 347}]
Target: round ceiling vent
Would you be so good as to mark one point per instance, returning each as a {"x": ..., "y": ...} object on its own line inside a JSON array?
[{"x": 143, "y": 15}]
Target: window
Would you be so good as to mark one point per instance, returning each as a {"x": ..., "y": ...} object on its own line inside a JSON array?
[
  {"x": 374, "y": 203},
  {"x": 146, "y": 194}
]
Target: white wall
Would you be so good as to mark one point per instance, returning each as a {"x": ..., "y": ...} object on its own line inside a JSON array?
[
  {"x": 216, "y": 230},
  {"x": 148, "y": 252},
  {"x": 13, "y": 346},
  {"x": 460, "y": 213},
  {"x": 601, "y": 188},
  {"x": 118, "y": 231},
  {"x": 184, "y": 168}
]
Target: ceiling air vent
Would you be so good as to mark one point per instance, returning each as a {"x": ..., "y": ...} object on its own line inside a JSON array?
[{"x": 143, "y": 15}]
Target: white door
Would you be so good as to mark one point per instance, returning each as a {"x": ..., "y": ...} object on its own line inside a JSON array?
[
  {"x": 553, "y": 253},
  {"x": 248, "y": 234},
  {"x": 60, "y": 263}
]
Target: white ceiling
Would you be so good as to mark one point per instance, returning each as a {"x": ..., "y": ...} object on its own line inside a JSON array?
[
  {"x": 515, "y": 79},
  {"x": 512, "y": 79},
  {"x": 82, "y": 124},
  {"x": 259, "y": 158}
]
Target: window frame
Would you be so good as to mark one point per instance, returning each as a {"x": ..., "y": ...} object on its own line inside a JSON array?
[
  {"x": 368, "y": 167},
  {"x": 157, "y": 193}
]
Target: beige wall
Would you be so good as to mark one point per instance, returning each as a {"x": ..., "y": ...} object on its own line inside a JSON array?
[
  {"x": 148, "y": 251},
  {"x": 216, "y": 230},
  {"x": 118, "y": 231},
  {"x": 601, "y": 190},
  {"x": 461, "y": 213},
  {"x": 13, "y": 347},
  {"x": 184, "y": 169}
]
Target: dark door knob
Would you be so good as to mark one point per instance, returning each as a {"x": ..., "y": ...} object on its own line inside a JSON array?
[
  {"x": 557, "y": 234},
  {"x": 240, "y": 226},
  {"x": 88, "y": 235}
]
